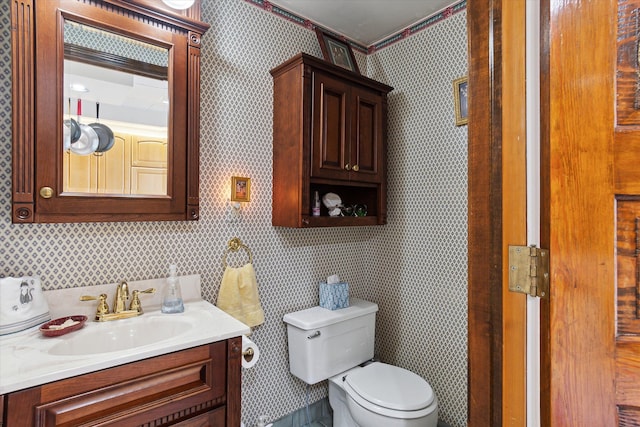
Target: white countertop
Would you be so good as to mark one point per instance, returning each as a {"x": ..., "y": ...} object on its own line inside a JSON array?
[{"x": 25, "y": 361}]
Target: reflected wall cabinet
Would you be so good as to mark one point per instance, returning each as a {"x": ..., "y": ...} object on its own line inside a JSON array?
[
  {"x": 329, "y": 136},
  {"x": 134, "y": 165}
]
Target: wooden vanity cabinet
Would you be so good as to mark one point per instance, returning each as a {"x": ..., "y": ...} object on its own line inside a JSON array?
[
  {"x": 329, "y": 135},
  {"x": 194, "y": 387}
]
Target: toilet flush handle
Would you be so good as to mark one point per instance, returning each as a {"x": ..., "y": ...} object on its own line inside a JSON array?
[{"x": 316, "y": 334}]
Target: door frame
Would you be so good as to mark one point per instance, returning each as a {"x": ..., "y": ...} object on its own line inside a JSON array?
[
  {"x": 577, "y": 370},
  {"x": 484, "y": 215},
  {"x": 496, "y": 211}
]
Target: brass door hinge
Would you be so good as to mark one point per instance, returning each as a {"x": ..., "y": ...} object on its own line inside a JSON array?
[{"x": 529, "y": 270}]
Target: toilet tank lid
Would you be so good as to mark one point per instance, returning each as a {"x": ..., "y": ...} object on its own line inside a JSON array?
[{"x": 317, "y": 317}]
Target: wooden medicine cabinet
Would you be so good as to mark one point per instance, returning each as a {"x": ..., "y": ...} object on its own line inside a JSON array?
[{"x": 130, "y": 71}]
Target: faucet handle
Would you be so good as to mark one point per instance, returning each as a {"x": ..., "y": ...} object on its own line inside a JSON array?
[
  {"x": 135, "y": 300},
  {"x": 103, "y": 307}
]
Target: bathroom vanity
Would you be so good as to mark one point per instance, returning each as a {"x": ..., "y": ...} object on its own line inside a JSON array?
[
  {"x": 197, "y": 386},
  {"x": 153, "y": 370}
]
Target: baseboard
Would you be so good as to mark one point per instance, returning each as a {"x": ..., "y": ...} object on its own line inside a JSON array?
[{"x": 320, "y": 414}]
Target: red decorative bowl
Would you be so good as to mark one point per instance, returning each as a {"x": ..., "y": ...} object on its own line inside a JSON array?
[{"x": 47, "y": 331}]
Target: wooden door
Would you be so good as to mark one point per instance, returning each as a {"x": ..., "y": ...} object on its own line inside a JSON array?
[
  {"x": 330, "y": 133},
  {"x": 590, "y": 209},
  {"x": 626, "y": 182},
  {"x": 591, "y": 187}
]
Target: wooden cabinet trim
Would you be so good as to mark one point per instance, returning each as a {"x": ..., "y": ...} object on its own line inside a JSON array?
[
  {"x": 234, "y": 379},
  {"x": 23, "y": 108}
]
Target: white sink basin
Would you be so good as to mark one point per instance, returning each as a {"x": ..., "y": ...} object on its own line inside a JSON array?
[
  {"x": 120, "y": 335},
  {"x": 29, "y": 359}
]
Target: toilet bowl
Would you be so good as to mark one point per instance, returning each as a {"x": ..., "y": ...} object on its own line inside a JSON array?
[
  {"x": 333, "y": 345},
  {"x": 385, "y": 395},
  {"x": 382, "y": 395},
  {"x": 338, "y": 400}
]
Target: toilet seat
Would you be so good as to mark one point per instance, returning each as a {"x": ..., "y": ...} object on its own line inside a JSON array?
[{"x": 391, "y": 391}]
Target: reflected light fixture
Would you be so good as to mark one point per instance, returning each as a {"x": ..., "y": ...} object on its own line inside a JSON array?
[
  {"x": 78, "y": 87},
  {"x": 179, "y": 4}
]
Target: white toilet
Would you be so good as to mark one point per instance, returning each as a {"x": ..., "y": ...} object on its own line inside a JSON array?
[{"x": 326, "y": 344}]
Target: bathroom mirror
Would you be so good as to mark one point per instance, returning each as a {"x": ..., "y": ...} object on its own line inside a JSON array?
[
  {"x": 105, "y": 111},
  {"x": 118, "y": 87}
]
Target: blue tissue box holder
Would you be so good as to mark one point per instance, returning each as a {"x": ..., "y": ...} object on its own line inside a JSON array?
[{"x": 334, "y": 297}]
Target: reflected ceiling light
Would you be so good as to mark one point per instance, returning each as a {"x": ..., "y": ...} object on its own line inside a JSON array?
[
  {"x": 179, "y": 4},
  {"x": 78, "y": 87}
]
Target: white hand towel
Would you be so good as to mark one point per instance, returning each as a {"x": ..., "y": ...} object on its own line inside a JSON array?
[
  {"x": 238, "y": 295},
  {"x": 22, "y": 304}
]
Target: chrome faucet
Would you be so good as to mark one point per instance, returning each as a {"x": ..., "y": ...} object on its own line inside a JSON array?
[{"x": 119, "y": 303}]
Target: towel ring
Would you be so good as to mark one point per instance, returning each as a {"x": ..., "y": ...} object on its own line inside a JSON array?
[{"x": 235, "y": 245}]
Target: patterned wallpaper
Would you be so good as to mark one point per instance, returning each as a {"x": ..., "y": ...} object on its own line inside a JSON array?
[
  {"x": 414, "y": 267},
  {"x": 104, "y": 41},
  {"x": 422, "y": 253}
]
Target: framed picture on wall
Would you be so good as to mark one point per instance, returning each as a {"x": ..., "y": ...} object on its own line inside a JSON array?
[
  {"x": 337, "y": 51},
  {"x": 240, "y": 189},
  {"x": 460, "y": 89}
]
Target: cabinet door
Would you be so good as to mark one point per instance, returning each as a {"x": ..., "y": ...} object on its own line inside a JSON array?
[
  {"x": 79, "y": 173},
  {"x": 367, "y": 147},
  {"x": 330, "y": 128},
  {"x": 114, "y": 167},
  {"x": 149, "y": 166},
  {"x": 149, "y": 181},
  {"x": 149, "y": 152}
]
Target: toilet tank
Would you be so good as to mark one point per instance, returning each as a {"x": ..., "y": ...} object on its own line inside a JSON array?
[{"x": 323, "y": 343}]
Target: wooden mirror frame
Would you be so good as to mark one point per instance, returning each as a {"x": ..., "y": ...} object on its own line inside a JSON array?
[{"x": 37, "y": 112}]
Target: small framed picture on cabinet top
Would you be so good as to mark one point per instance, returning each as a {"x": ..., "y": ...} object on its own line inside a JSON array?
[{"x": 337, "y": 51}]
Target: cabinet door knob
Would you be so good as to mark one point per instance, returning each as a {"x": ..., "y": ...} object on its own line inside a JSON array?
[
  {"x": 347, "y": 167},
  {"x": 46, "y": 192},
  {"x": 356, "y": 168}
]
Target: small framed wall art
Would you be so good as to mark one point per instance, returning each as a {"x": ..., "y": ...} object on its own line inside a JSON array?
[
  {"x": 337, "y": 51},
  {"x": 460, "y": 87},
  {"x": 240, "y": 189}
]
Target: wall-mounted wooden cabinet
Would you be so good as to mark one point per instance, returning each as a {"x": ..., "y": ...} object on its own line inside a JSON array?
[{"x": 329, "y": 135}]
